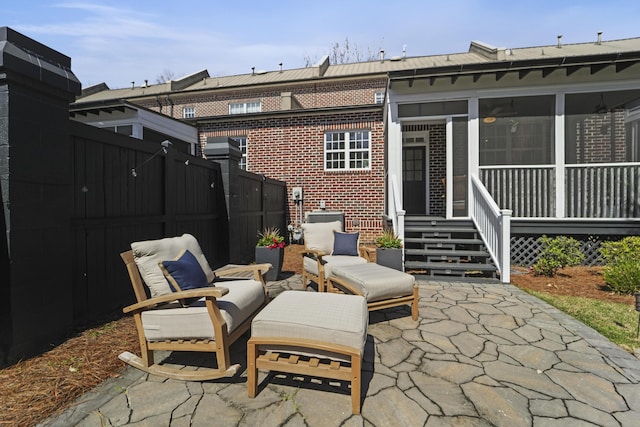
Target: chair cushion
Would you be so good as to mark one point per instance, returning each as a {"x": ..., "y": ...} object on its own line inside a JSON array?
[
  {"x": 245, "y": 297},
  {"x": 319, "y": 235},
  {"x": 345, "y": 243},
  {"x": 333, "y": 318},
  {"x": 376, "y": 282},
  {"x": 149, "y": 253},
  {"x": 184, "y": 272},
  {"x": 330, "y": 261}
]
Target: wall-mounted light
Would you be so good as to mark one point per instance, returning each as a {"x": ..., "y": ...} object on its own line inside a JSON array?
[
  {"x": 164, "y": 144},
  {"x": 489, "y": 120}
]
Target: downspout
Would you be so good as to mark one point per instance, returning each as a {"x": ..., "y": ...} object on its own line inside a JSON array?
[{"x": 170, "y": 103}]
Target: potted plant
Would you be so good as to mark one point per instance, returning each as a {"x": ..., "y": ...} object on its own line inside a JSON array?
[
  {"x": 270, "y": 249},
  {"x": 389, "y": 250}
]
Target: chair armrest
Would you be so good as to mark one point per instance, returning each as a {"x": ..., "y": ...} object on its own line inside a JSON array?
[
  {"x": 366, "y": 252},
  {"x": 231, "y": 270},
  {"x": 252, "y": 271},
  {"x": 312, "y": 253},
  {"x": 212, "y": 292}
]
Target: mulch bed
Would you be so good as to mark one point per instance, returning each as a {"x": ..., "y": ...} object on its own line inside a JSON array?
[{"x": 35, "y": 389}]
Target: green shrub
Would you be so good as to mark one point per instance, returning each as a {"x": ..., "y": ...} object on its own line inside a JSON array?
[
  {"x": 557, "y": 253},
  {"x": 622, "y": 266}
]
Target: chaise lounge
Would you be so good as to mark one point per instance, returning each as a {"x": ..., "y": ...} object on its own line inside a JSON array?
[{"x": 325, "y": 247}]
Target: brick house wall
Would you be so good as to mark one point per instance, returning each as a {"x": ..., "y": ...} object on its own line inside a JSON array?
[
  {"x": 291, "y": 149},
  {"x": 315, "y": 95},
  {"x": 599, "y": 145}
]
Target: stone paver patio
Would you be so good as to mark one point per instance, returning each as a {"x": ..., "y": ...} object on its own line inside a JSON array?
[{"x": 482, "y": 354}]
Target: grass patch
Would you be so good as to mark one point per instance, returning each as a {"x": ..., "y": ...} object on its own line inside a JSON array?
[{"x": 617, "y": 322}]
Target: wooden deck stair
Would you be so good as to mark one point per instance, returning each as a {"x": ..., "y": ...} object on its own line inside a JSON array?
[{"x": 446, "y": 248}]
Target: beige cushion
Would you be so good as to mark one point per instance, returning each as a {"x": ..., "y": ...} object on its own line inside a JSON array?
[
  {"x": 331, "y": 261},
  {"x": 333, "y": 318},
  {"x": 319, "y": 235},
  {"x": 376, "y": 282},
  {"x": 149, "y": 253},
  {"x": 243, "y": 299}
]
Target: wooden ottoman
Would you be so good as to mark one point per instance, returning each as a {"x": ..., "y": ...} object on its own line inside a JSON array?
[
  {"x": 308, "y": 333},
  {"x": 382, "y": 287}
]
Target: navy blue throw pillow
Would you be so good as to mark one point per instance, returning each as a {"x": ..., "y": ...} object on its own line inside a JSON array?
[
  {"x": 184, "y": 272},
  {"x": 345, "y": 243}
]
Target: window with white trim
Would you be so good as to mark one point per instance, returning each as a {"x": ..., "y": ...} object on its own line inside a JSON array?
[
  {"x": 242, "y": 143},
  {"x": 349, "y": 150},
  {"x": 379, "y": 98},
  {"x": 188, "y": 112},
  {"x": 245, "y": 107}
]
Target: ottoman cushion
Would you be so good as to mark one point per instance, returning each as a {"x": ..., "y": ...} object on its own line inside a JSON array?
[
  {"x": 332, "y": 318},
  {"x": 376, "y": 282}
]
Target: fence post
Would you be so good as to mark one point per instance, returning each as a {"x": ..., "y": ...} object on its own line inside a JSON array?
[
  {"x": 226, "y": 152},
  {"x": 36, "y": 86}
]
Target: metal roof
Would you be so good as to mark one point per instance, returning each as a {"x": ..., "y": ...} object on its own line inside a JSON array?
[{"x": 479, "y": 57}]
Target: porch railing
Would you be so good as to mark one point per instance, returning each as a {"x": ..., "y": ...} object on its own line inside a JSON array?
[
  {"x": 494, "y": 226},
  {"x": 529, "y": 191},
  {"x": 602, "y": 190}
]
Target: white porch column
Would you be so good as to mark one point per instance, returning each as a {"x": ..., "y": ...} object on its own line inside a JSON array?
[
  {"x": 474, "y": 146},
  {"x": 449, "y": 169},
  {"x": 394, "y": 165},
  {"x": 559, "y": 155}
]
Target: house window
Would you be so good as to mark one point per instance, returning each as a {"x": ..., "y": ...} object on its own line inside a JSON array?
[
  {"x": 245, "y": 107},
  {"x": 379, "y": 98},
  {"x": 347, "y": 150},
  {"x": 242, "y": 142},
  {"x": 188, "y": 112}
]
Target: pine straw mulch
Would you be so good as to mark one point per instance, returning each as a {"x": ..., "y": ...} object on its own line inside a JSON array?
[{"x": 35, "y": 389}]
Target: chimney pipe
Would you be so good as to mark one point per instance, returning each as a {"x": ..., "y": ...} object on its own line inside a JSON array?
[
  {"x": 599, "y": 37},
  {"x": 381, "y": 55},
  {"x": 559, "y": 41}
]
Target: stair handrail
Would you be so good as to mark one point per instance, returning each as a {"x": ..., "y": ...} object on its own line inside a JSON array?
[{"x": 494, "y": 227}]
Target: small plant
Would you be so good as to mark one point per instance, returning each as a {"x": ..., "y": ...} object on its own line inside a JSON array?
[
  {"x": 622, "y": 267},
  {"x": 557, "y": 253},
  {"x": 389, "y": 240},
  {"x": 271, "y": 238}
]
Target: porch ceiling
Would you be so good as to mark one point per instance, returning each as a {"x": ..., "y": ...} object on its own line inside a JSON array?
[{"x": 569, "y": 65}]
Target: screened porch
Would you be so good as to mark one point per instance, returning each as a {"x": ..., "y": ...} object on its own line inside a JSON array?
[{"x": 562, "y": 156}]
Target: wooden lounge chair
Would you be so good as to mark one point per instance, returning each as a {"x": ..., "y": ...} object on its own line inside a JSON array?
[
  {"x": 205, "y": 319},
  {"x": 325, "y": 246}
]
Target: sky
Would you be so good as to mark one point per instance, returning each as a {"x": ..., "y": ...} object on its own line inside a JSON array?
[{"x": 133, "y": 41}]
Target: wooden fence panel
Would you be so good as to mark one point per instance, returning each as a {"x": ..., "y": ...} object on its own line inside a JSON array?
[{"x": 171, "y": 194}]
